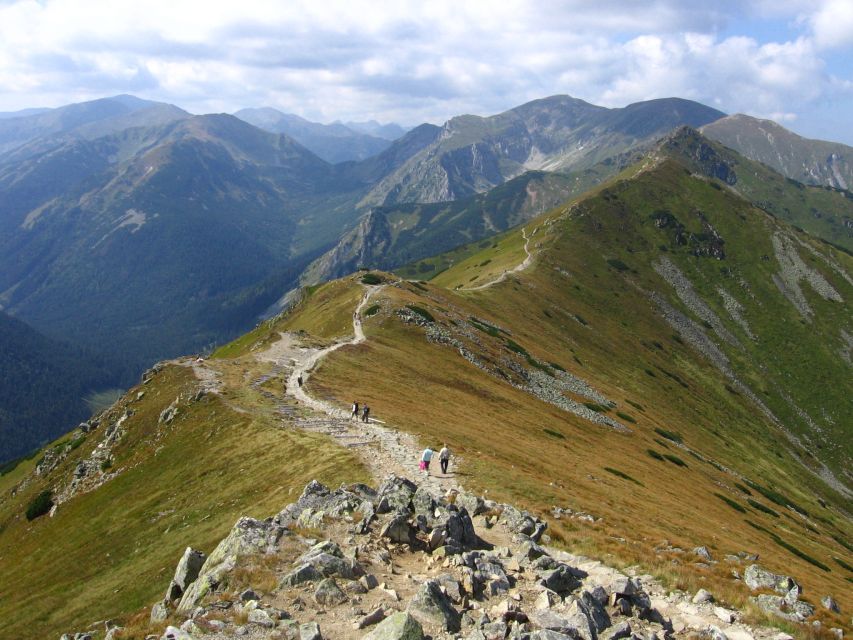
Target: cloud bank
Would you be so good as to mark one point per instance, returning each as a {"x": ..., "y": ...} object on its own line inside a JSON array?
[{"x": 412, "y": 61}]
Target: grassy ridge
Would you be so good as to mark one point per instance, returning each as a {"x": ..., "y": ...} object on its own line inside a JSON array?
[
  {"x": 112, "y": 551},
  {"x": 626, "y": 350}
]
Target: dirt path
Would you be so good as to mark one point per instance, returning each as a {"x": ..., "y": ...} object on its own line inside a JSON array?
[
  {"x": 383, "y": 449},
  {"x": 519, "y": 267}
]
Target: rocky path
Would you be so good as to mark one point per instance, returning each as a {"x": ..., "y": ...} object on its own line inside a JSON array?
[
  {"x": 520, "y": 267},
  {"x": 383, "y": 449}
]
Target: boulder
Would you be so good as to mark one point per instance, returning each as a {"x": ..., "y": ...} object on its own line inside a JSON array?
[
  {"x": 173, "y": 633},
  {"x": 561, "y": 579},
  {"x": 399, "y": 530},
  {"x": 548, "y": 634},
  {"x": 703, "y": 552},
  {"x": 460, "y": 530},
  {"x": 303, "y": 573},
  {"x": 310, "y": 631},
  {"x": 374, "y": 617},
  {"x": 328, "y": 593},
  {"x": 830, "y": 604},
  {"x": 547, "y": 599},
  {"x": 261, "y": 618},
  {"x": 726, "y": 615},
  {"x": 702, "y": 596},
  {"x": 369, "y": 581},
  {"x": 189, "y": 566},
  {"x": 757, "y": 577},
  {"x": 451, "y": 587},
  {"x": 616, "y": 632},
  {"x": 473, "y": 504},
  {"x": 422, "y": 502},
  {"x": 159, "y": 612},
  {"x": 248, "y": 537},
  {"x": 431, "y": 607},
  {"x": 593, "y": 610},
  {"x": 400, "y": 626},
  {"x": 395, "y": 494}
]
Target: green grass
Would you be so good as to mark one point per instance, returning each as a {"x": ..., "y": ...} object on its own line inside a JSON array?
[
  {"x": 423, "y": 313},
  {"x": 734, "y": 505},
  {"x": 371, "y": 278},
  {"x": 760, "y": 507},
  {"x": 626, "y": 417},
  {"x": 654, "y": 454},
  {"x": 554, "y": 434},
  {"x": 674, "y": 459},
  {"x": 669, "y": 435},
  {"x": 371, "y": 310},
  {"x": 484, "y": 327},
  {"x": 623, "y": 475}
]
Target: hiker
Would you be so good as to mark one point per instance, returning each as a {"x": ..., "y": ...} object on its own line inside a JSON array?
[
  {"x": 299, "y": 380},
  {"x": 444, "y": 458},
  {"x": 426, "y": 457},
  {"x": 354, "y": 414},
  {"x": 365, "y": 413}
]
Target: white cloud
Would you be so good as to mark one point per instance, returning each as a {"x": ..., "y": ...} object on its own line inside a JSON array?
[{"x": 413, "y": 61}]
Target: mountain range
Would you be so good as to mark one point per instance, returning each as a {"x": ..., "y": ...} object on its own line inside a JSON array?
[
  {"x": 133, "y": 228},
  {"x": 658, "y": 367}
]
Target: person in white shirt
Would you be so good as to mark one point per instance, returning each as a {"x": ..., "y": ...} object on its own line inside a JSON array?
[
  {"x": 426, "y": 457},
  {"x": 444, "y": 458}
]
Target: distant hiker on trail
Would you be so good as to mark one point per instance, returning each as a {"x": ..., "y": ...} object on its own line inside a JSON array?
[
  {"x": 354, "y": 414},
  {"x": 444, "y": 458},
  {"x": 365, "y": 414},
  {"x": 426, "y": 457},
  {"x": 299, "y": 380}
]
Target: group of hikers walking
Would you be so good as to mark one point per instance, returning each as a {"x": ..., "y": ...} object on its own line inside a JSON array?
[
  {"x": 443, "y": 458},
  {"x": 365, "y": 412}
]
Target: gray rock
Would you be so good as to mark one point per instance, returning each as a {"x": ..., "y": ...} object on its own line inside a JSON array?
[
  {"x": 830, "y": 604},
  {"x": 460, "y": 530},
  {"x": 451, "y": 587},
  {"x": 494, "y": 630},
  {"x": 561, "y": 579},
  {"x": 400, "y": 626},
  {"x": 310, "y": 631},
  {"x": 802, "y": 609},
  {"x": 437, "y": 538},
  {"x": 702, "y": 596},
  {"x": 549, "y": 634},
  {"x": 432, "y": 608},
  {"x": 757, "y": 577},
  {"x": 189, "y": 566},
  {"x": 551, "y": 621},
  {"x": 547, "y": 599},
  {"x": 173, "y": 633},
  {"x": 594, "y": 611},
  {"x": 369, "y": 581},
  {"x": 159, "y": 612},
  {"x": 249, "y": 594},
  {"x": 398, "y": 530},
  {"x": 703, "y": 552},
  {"x": 328, "y": 593},
  {"x": 531, "y": 550},
  {"x": 473, "y": 504},
  {"x": 374, "y": 617},
  {"x": 261, "y": 618},
  {"x": 726, "y": 615},
  {"x": 395, "y": 494},
  {"x": 247, "y": 537},
  {"x": 423, "y": 503},
  {"x": 616, "y": 632},
  {"x": 300, "y": 575}
]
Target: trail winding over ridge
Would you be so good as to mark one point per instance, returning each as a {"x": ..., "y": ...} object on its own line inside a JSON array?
[{"x": 519, "y": 267}]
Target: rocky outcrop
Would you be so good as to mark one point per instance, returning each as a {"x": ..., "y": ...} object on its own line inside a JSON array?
[{"x": 440, "y": 572}]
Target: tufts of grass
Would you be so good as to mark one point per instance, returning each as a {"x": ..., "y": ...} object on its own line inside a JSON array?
[
  {"x": 734, "y": 505},
  {"x": 418, "y": 285},
  {"x": 617, "y": 264},
  {"x": 674, "y": 459},
  {"x": 371, "y": 278},
  {"x": 654, "y": 454},
  {"x": 843, "y": 564},
  {"x": 636, "y": 405},
  {"x": 760, "y": 507},
  {"x": 743, "y": 489},
  {"x": 485, "y": 327},
  {"x": 669, "y": 435},
  {"x": 512, "y": 345},
  {"x": 623, "y": 475},
  {"x": 598, "y": 408},
  {"x": 40, "y": 505},
  {"x": 423, "y": 313},
  {"x": 798, "y": 552},
  {"x": 776, "y": 497},
  {"x": 554, "y": 434},
  {"x": 554, "y": 365},
  {"x": 626, "y": 417},
  {"x": 371, "y": 310}
]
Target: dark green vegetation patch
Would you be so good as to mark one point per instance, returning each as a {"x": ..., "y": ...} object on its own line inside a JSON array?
[
  {"x": 669, "y": 435},
  {"x": 423, "y": 313},
  {"x": 40, "y": 505},
  {"x": 371, "y": 310},
  {"x": 734, "y": 505},
  {"x": 554, "y": 434},
  {"x": 623, "y": 475},
  {"x": 371, "y": 278}
]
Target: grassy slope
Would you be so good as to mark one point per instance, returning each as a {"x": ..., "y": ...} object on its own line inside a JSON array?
[
  {"x": 574, "y": 308},
  {"x": 112, "y": 551}
]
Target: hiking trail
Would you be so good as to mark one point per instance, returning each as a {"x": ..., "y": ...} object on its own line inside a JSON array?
[
  {"x": 516, "y": 269},
  {"x": 383, "y": 449}
]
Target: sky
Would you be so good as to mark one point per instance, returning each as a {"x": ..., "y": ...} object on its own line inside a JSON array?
[{"x": 413, "y": 61}]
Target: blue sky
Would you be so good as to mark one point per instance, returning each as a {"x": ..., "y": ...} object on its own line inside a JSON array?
[{"x": 412, "y": 61}]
